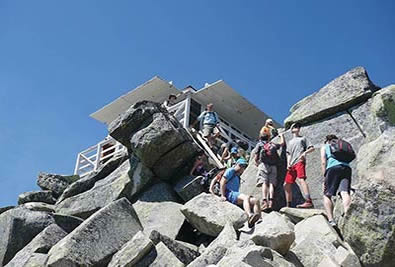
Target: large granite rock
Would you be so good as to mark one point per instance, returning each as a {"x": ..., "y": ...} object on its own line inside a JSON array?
[
  {"x": 98, "y": 237},
  {"x": 217, "y": 248},
  {"x": 160, "y": 256},
  {"x": 39, "y": 206},
  {"x": 127, "y": 180},
  {"x": 368, "y": 224},
  {"x": 383, "y": 105},
  {"x": 209, "y": 214},
  {"x": 316, "y": 227},
  {"x": 18, "y": 227},
  {"x": 298, "y": 215},
  {"x": 159, "y": 192},
  {"x": 311, "y": 251},
  {"x": 346, "y": 91},
  {"x": 4, "y": 209},
  {"x": 249, "y": 254},
  {"x": 189, "y": 187},
  {"x": 42, "y": 243},
  {"x": 87, "y": 182},
  {"x": 36, "y": 260},
  {"x": 164, "y": 217},
  {"x": 182, "y": 252},
  {"x": 132, "y": 252},
  {"x": 156, "y": 137},
  {"x": 36, "y": 196},
  {"x": 55, "y": 182},
  {"x": 273, "y": 232}
]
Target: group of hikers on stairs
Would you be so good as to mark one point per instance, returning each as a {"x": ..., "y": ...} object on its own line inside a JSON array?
[{"x": 336, "y": 154}]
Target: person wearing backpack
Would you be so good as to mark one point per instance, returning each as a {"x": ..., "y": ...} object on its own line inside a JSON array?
[
  {"x": 297, "y": 149},
  {"x": 336, "y": 155},
  {"x": 209, "y": 121},
  {"x": 230, "y": 191},
  {"x": 267, "y": 159}
]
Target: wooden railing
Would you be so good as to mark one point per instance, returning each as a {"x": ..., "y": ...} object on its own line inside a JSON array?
[{"x": 93, "y": 158}]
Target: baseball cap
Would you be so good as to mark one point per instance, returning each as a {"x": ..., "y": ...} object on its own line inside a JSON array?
[
  {"x": 234, "y": 150},
  {"x": 242, "y": 162}
]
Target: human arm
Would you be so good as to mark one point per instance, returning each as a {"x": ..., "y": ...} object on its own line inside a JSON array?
[
  {"x": 323, "y": 160},
  {"x": 222, "y": 184},
  {"x": 225, "y": 155},
  {"x": 211, "y": 188},
  {"x": 195, "y": 165},
  {"x": 282, "y": 139}
]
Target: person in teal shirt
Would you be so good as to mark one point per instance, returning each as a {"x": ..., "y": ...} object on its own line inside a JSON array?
[{"x": 337, "y": 178}]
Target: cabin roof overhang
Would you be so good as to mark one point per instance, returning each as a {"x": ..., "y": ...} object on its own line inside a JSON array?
[
  {"x": 156, "y": 89},
  {"x": 229, "y": 104}
]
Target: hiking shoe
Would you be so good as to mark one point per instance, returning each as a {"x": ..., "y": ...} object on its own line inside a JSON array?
[
  {"x": 306, "y": 205},
  {"x": 332, "y": 223},
  {"x": 253, "y": 219},
  {"x": 264, "y": 206}
]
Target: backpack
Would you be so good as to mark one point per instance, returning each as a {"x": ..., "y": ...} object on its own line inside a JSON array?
[
  {"x": 217, "y": 174},
  {"x": 268, "y": 153},
  {"x": 341, "y": 150}
]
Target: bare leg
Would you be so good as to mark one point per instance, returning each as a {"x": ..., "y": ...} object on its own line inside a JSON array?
[
  {"x": 264, "y": 191},
  {"x": 244, "y": 200},
  {"x": 305, "y": 187},
  {"x": 328, "y": 207},
  {"x": 288, "y": 192},
  {"x": 271, "y": 190},
  {"x": 257, "y": 206},
  {"x": 346, "y": 200}
]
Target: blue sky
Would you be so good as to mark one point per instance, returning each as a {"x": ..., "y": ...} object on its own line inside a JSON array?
[{"x": 62, "y": 60}]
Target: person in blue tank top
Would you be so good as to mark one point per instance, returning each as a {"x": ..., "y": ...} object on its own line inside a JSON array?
[
  {"x": 230, "y": 191},
  {"x": 337, "y": 178}
]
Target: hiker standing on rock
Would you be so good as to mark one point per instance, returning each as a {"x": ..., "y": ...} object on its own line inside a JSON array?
[
  {"x": 209, "y": 120},
  {"x": 337, "y": 175},
  {"x": 229, "y": 189},
  {"x": 269, "y": 129},
  {"x": 297, "y": 150},
  {"x": 267, "y": 159}
]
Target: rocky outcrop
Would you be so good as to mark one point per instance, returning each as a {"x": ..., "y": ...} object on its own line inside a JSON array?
[
  {"x": 36, "y": 196},
  {"x": 127, "y": 180},
  {"x": 87, "y": 182},
  {"x": 273, "y": 232},
  {"x": 132, "y": 252},
  {"x": 18, "y": 227},
  {"x": 383, "y": 105},
  {"x": 155, "y": 137},
  {"x": 189, "y": 187},
  {"x": 368, "y": 225},
  {"x": 297, "y": 215},
  {"x": 54, "y": 182},
  {"x": 95, "y": 241},
  {"x": 42, "y": 243},
  {"x": 209, "y": 214},
  {"x": 350, "y": 89}
]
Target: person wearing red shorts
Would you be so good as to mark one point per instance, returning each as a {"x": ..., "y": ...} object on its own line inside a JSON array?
[{"x": 297, "y": 150}]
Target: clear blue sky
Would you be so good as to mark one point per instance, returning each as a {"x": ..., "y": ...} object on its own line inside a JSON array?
[{"x": 62, "y": 60}]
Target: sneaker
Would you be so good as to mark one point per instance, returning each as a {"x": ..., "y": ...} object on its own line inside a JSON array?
[
  {"x": 253, "y": 219},
  {"x": 332, "y": 223},
  {"x": 264, "y": 206},
  {"x": 306, "y": 205}
]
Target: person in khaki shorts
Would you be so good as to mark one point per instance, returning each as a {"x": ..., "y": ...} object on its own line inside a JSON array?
[{"x": 266, "y": 158}]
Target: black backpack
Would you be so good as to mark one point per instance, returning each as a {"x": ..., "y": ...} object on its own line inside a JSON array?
[
  {"x": 268, "y": 153},
  {"x": 341, "y": 150}
]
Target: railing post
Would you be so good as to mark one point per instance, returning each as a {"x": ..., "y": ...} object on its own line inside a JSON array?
[
  {"x": 98, "y": 154},
  {"x": 187, "y": 109},
  {"x": 77, "y": 164}
]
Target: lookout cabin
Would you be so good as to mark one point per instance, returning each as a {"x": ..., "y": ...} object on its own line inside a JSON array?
[{"x": 240, "y": 119}]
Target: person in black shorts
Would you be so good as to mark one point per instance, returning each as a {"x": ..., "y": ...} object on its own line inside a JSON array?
[{"x": 337, "y": 178}]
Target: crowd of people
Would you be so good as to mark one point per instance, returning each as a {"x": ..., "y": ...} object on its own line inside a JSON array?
[{"x": 336, "y": 172}]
